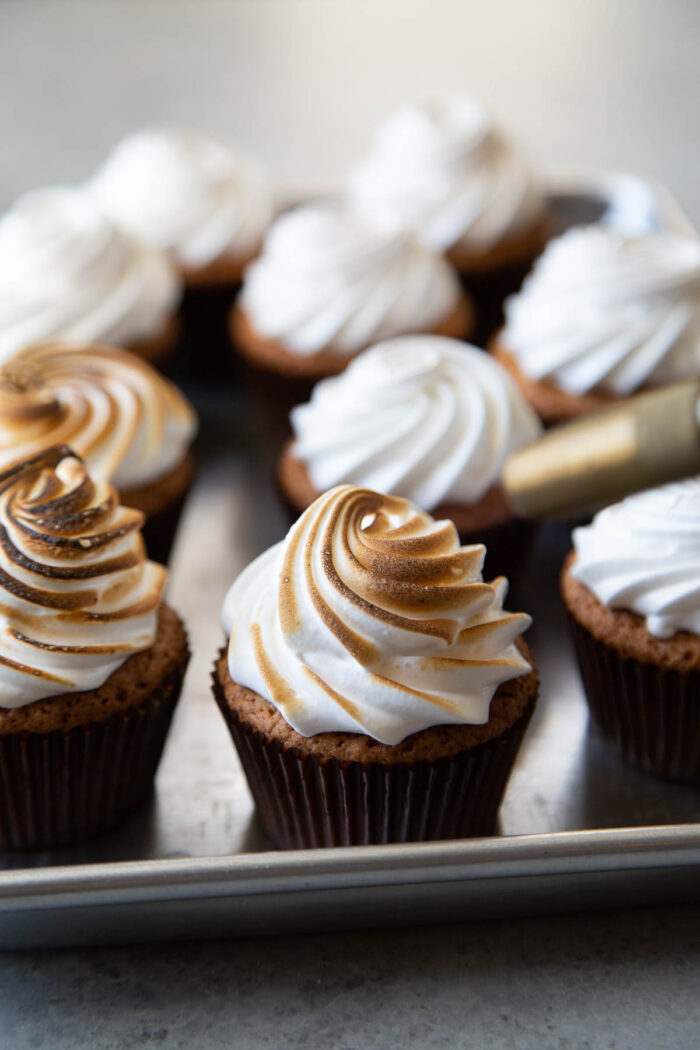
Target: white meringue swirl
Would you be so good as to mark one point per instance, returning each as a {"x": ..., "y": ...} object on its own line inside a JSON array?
[
  {"x": 130, "y": 425},
  {"x": 330, "y": 280},
  {"x": 77, "y": 595},
  {"x": 67, "y": 273},
  {"x": 444, "y": 170},
  {"x": 194, "y": 197},
  {"x": 604, "y": 310},
  {"x": 643, "y": 555},
  {"x": 370, "y": 618},
  {"x": 424, "y": 417}
]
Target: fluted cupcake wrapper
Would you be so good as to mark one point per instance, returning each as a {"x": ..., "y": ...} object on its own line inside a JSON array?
[
  {"x": 650, "y": 714},
  {"x": 204, "y": 350},
  {"x": 159, "y": 529},
  {"x": 507, "y": 547},
  {"x": 488, "y": 291},
  {"x": 307, "y": 801},
  {"x": 63, "y": 787},
  {"x": 272, "y": 397}
]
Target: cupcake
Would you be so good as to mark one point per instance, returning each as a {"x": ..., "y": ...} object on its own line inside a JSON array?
[
  {"x": 445, "y": 170},
  {"x": 132, "y": 426},
  {"x": 426, "y": 418},
  {"x": 208, "y": 206},
  {"x": 631, "y": 587},
  {"x": 66, "y": 272},
  {"x": 91, "y": 659},
  {"x": 603, "y": 315},
  {"x": 373, "y": 685},
  {"x": 329, "y": 284}
]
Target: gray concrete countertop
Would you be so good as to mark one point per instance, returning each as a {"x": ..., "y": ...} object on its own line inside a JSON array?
[
  {"x": 606, "y": 981},
  {"x": 304, "y": 81}
]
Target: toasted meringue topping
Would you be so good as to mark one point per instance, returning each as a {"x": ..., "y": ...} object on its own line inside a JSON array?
[
  {"x": 77, "y": 595},
  {"x": 370, "y": 618},
  {"x": 643, "y": 554},
  {"x": 130, "y": 424},
  {"x": 424, "y": 417},
  {"x": 331, "y": 280}
]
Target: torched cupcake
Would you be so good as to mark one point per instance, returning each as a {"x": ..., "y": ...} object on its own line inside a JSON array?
[
  {"x": 329, "y": 284},
  {"x": 631, "y": 587},
  {"x": 603, "y": 315},
  {"x": 445, "y": 170},
  {"x": 91, "y": 658},
  {"x": 207, "y": 205},
  {"x": 66, "y": 272},
  {"x": 426, "y": 418},
  {"x": 374, "y": 686},
  {"x": 132, "y": 426}
]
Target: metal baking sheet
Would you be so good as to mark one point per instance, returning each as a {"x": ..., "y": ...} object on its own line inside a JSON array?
[{"x": 577, "y": 827}]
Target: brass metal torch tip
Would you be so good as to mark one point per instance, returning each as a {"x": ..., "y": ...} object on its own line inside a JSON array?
[{"x": 642, "y": 442}]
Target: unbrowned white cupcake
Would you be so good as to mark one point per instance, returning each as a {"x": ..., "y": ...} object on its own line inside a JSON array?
[
  {"x": 327, "y": 285},
  {"x": 603, "y": 315},
  {"x": 207, "y": 204},
  {"x": 426, "y": 418},
  {"x": 631, "y": 587},
  {"x": 67, "y": 272}
]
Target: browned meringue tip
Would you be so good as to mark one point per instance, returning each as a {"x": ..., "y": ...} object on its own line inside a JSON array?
[
  {"x": 47, "y": 459},
  {"x": 60, "y": 514}
]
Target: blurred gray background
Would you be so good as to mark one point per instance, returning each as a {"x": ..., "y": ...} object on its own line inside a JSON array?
[{"x": 603, "y": 82}]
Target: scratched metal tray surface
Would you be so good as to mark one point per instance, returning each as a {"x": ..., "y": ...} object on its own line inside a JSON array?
[{"x": 578, "y": 828}]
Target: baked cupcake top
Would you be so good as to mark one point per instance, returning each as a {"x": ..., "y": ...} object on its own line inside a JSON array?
[
  {"x": 445, "y": 170},
  {"x": 66, "y": 272},
  {"x": 194, "y": 197},
  {"x": 328, "y": 279},
  {"x": 370, "y": 618},
  {"x": 77, "y": 595},
  {"x": 608, "y": 311},
  {"x": 643, "y": 555},
  {"x": 424, "y": 417},
  {"x": 130, "y": 424}
]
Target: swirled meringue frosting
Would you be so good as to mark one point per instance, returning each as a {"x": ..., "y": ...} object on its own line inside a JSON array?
[
  {"x": 604, "y": 310},
  {"x": 130, "y": 425},
  {"x": 328, "y": 279},
  {"x": 66, "y": 272},
  {"x": 194, "y": 197},
  {"x": 77, "y": 595},
  {"x": 643, "y": 555},
  {"x": 424, "y": 417},
  {"x": 370, "y": 618},
  {"x": 444, "y": 170}
]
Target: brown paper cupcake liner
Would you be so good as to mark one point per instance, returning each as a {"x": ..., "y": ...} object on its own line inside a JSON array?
[
  {"x": 60, "y": 788},
  {"x": 489, "y": 290},
  {"x": 272, "y": 398},
  {"x": 650, "y": 714},
  {"x": 305, "y": 801},
  {"x": 204, "y": 351},
  {"x": 507, "y": 547},
  {"x": 159, "y": 529}
]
